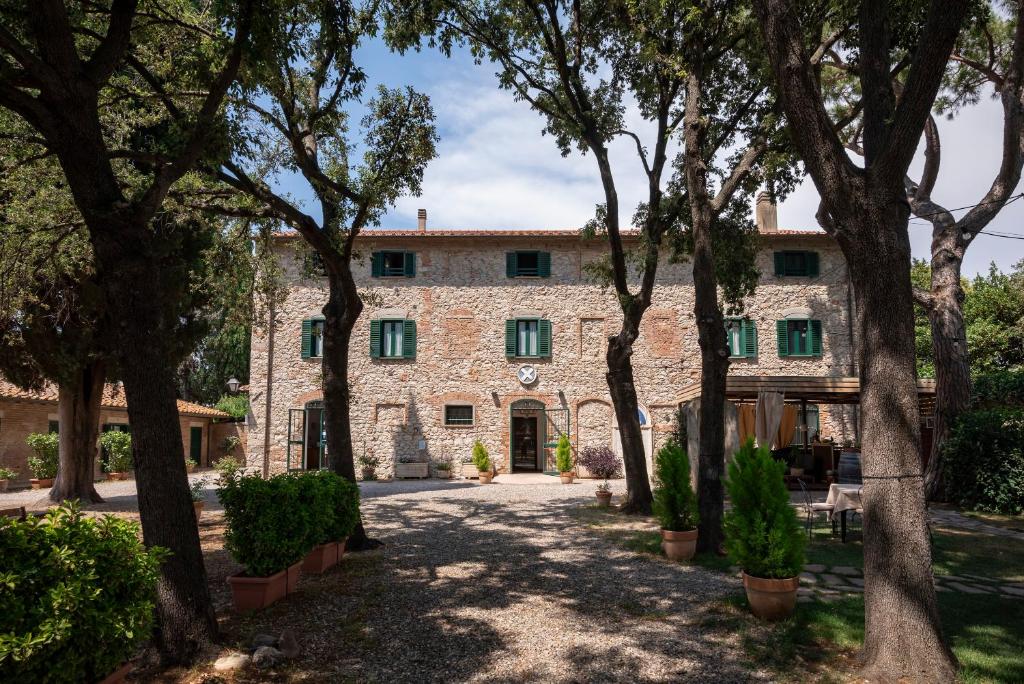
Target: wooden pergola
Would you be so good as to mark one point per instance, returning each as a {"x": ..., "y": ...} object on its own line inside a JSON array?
[{"x": 812, "y": 389}]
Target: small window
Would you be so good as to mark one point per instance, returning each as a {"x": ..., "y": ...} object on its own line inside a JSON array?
[
  {"x": 316, "y": 338},
  {"x": 813, "y": 425},
  {"x": 393, "y": 264},
  {"x": 741, "y": 337},
  {"x": 526, "y": 338},
  {"x": 458, "y": 415},
  {"x": 799, "y": 337},
  {"x": 392, "y": 339},
  {"x": 54, "y": 426},
  {"x": 527, "y": 264},
  {"x": 796, "y": 264}
]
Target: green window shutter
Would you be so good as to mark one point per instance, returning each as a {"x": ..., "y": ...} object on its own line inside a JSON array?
[
  {"x": 814, "y": 330},
  {"x": 375, "y": 339},
  {"x": 780, "y": 263},
  {"x": 748, "y": 337},
  {"x": 410, "y": 264},
  {"x": 409, "y": 339},
  {"x": 307, "y": 338},
  {"x": 544, "y": 264},
  {"x": 510, "y": 337},
  {"x": 544, "y": 338},
  {"x": 511, "y": 264},
  {"x": 812, "y": 264},
  {"x": 782, "y": 334},
  {"x": 377, "y": 265}
]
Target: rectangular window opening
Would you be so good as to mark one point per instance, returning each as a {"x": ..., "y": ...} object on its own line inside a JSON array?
[
  {"x": 391, "y": 338},
  {"x": 316, "y": 338},
  {"x": 393, "y": 263},
  {"x": 526, "y": 337},
  {"x": 799, "y": 337},
  {"x": 458, "y": 415},
  {"x": 527, "y": 263}
]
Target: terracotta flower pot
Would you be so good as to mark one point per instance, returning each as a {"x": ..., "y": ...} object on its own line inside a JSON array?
[
  {"x": 41, "y": 482},
  {"x": 117, "y": 476},
  {"x": 118, "y": 675},
  {"x": 566, "y": 478},
  {"x": 771, "y": 599},
  {"x": 485, "y": 477},
  {"x": 321, "y": 558},
  {"x": 679, "y": 545},
  {"x": 254, "y": 593},
  {"x": 198, "y": 507},
  {"x": 3, "y": 485},
  {"x": 293, "y": 577},
  {"x": 604, "y": 499}
]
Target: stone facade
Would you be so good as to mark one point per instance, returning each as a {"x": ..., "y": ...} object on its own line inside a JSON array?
[{"x": 460, "y": 298}]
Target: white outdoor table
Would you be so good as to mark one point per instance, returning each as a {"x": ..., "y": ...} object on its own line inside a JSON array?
[{"x": 843, "y": 498}]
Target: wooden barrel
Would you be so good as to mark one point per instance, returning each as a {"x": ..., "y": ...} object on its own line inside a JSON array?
[{"x": 849, "y": 468}]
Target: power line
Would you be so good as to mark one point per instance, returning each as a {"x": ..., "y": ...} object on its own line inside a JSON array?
[{"x": 1009, "y": 200}]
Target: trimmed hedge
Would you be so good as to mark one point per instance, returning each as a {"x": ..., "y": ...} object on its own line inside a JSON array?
[
  {"x": 77, "y": 596},
  {"x": 984, "y": 460}
]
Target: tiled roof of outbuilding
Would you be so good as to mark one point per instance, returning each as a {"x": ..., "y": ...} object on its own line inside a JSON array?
[{"x": 113, "y": 398}]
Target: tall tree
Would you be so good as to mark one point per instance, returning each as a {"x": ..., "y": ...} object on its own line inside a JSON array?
[
  {"x": 63, "y": 68},
  {"x": 866, "y": 210},
  {"x": 580, "y": 64},
  {"x": 300, "y": 97}
]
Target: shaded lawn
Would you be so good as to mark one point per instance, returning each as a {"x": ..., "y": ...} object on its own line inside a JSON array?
[{"x": 820, "y": 642}]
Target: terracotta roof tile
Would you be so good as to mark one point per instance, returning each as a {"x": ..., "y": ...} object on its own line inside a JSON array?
[
  {"x": 561, "y": 234},
  {"x": 113, "y": 397}
]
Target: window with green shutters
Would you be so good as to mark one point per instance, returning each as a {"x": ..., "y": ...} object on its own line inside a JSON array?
[
  {"x": 525, "y": 264},
  {"x": 393, "y": 339},
  {"x": 393, "y": 264},
  {"x": 741, "y": 336},
  {"x": 528, "y": 338},
  {"x": 796, "y": 264},
  {"x": 799, "y": 337},
  {"x": 312, "y": 338}
]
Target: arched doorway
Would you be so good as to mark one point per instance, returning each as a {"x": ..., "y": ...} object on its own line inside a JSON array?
[
  {"x": 645, "y": 433},
  {"x": 526, "y": 436}
]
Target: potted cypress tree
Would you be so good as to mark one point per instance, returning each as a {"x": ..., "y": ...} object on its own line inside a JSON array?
[
  {"x": 563, "y": 459},
  {"x": 762, "y": 534},
  {"x": 675, "y": 505},
  {"x": 482, "y": 461}
]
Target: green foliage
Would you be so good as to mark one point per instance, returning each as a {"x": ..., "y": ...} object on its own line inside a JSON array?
[
  {"x": 118, "y": 446},
  {"x": 228, "y": 467},
  {"x": 563, "y": 455},
  {"x": 45, "y": 454},
  {"x": 235, "y": 405},
  {"x": 762, "y": 534},
  {"x": 331, "y": 503},
  {"x": 675, "y": 504},
  {"x": 481, "y": 459},
  {"x": 230, "y": 443},
  {"x": 77, "y": 596},
  {"x": 984, "y": 460},
  {"x": 8, "y": 474},
  {"x": 1003, "y": 388},
  {"x": 269, "y": 522},
  {"x": 195, "y": 490}
]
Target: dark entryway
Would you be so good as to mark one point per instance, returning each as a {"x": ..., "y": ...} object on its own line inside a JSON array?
[
  {"x": 195, "y": 444},
  {"x": 316, "y": 436},
  {"x": 525, "y": 444}
]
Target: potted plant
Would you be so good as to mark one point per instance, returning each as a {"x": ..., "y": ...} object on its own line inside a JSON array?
[
  {"x": 6, "y": 475},
  {"x": 268, "y": 532},
  {"x": 563, "y": 459},
  {"x": 762, "y": 534},
  {"x": 196, "y": 492},
  {"x": 333, "y": 508},
  {"x": 603, "y": 463},
  {"x": 44, "y": 459},
  {"x": 368, "y": 465},
  {"x": 118, "y": 446},
  {"x": 190, "y": 465},
  {"x": 443, "y": 468},
  {"x": 409, "y": 466},
  {"x": 674, "y": 502},
  {"x": 482, "y": 461}
]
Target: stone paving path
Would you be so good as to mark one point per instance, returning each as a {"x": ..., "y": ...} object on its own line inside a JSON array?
[
  {"x": 828, "y": 583},
  {"x": 947, "y": 518}
]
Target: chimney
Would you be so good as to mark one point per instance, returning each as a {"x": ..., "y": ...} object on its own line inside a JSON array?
[
  {"x": 766, "y": 213},
  {"x": 421, "y": 216}
]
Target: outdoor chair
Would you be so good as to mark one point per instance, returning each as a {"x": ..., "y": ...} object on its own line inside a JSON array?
[{"x": 811, "y": 509}]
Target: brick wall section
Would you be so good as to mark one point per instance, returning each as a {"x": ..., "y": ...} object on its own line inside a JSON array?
[
  {"x": 460, "y": 299},
  {"x": 221, "y": 431}
]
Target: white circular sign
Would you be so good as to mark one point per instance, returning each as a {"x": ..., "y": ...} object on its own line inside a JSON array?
[{"x": 527, "y": 375}]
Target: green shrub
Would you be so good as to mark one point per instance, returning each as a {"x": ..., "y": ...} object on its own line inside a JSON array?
[
  {"x": 999, "y": 389},
  {"x": 228, "y": 467},
  {"x": 481, "y": 459},
  {"x": 8, "y": 474},
  {"x": 762, "y": 534},
  {"x": 45, "y": 454},
  {"x": 329, "y": 505},
  {"x": 563, "y": 455},
  {"x": 235, "y": 405},
  {"x": 345, "y": 501},
  {"x": 984, "y": 460},
  {"x": 77, "y": 596},
  {"x": 118, "y": 446},
  {"x": 675, "y": 504},
  {"x": 268, "y": 522}
]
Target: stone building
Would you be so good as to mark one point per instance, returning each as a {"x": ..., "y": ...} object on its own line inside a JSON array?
[{"x": 499, "y": 336}]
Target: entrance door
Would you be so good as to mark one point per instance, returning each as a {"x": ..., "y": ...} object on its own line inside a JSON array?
[
  {"x": 315, "y": 437},
  {"x": 195, "y": 444},
  {"x": 525, "y": 444}
]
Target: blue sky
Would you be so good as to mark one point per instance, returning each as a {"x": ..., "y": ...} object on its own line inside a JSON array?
[{"x": 494, "y": 169}]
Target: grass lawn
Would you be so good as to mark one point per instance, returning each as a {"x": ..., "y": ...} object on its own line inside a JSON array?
[{"x": 820, "y": 642}]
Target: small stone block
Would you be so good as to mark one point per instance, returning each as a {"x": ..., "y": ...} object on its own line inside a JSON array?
[
  {"x": 814, "y": 567},
  {"x": 804, "y": 599},
  {"x": 808, "y": 577},
  {"x": 834, "y": 580},
  {"x": 968, "y": 589},
  {"x": 846, "y": 570},
  {"x": 939, "y": 587},
  {"x": 859, "y": 581}
]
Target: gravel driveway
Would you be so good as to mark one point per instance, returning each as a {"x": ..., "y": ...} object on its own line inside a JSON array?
[{"x": 503, "y": 583}]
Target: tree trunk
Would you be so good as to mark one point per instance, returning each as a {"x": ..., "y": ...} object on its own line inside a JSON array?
[
  {"x": 78, "y": 405},
  {"x": 714, "y": 362},
  {"x": 952, "y": 365},
  {"x": 340, "y": 316},
  {"x": 623, "y": 392},
  {"x": 135, "y": 302},
  {"x": 903, "y": 637}
]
